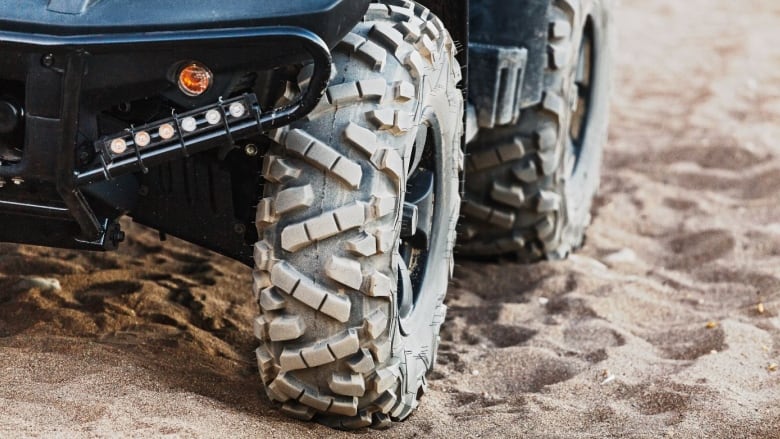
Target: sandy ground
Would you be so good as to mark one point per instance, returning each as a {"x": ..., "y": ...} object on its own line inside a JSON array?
[{"x": 653, "y": 330}]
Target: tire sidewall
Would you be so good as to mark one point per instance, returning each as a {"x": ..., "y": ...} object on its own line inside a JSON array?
[
  {"x": 581, "y": 186},
  {"x": 416, "y": 345}
]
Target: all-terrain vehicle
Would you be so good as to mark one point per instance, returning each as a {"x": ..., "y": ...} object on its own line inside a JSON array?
[{"x": 322, "y": 142}]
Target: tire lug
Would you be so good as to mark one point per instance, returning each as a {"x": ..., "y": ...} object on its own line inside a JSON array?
[{"x": 409, "y": 221}]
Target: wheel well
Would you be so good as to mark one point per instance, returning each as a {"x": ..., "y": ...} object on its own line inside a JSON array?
[{"x": 455, "y": 16}]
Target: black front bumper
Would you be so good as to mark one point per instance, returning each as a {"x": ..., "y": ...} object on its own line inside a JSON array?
[{"x": 69, "y": 74}]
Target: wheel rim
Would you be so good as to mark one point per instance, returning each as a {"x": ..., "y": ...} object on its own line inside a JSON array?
[
  {"x": 582, "y": 93},
  {"x": 418, "y": 229}
]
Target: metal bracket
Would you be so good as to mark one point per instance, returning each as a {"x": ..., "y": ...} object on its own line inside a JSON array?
[{"x": 91, "y": 229}]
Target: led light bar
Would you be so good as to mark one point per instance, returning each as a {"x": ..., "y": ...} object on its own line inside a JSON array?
[{"x": 184, "y": 129}]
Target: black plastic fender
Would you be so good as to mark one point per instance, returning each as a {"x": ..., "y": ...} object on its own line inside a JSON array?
[{"x": 515, "y": 23}]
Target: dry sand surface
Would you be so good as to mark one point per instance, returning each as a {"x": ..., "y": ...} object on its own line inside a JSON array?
[{"x": 653, "y": 330}]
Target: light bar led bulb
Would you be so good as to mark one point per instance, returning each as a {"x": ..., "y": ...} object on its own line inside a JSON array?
[
  {"x": 118, "y": 146},
  {"x": 189, "y": 124},
  {"x": 237, "y": 109},
  {"x": 142, "y": 138},
  {"x": 213, "y": 117}
]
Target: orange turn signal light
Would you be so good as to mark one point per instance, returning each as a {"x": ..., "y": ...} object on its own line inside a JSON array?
[{"x": 195, "y": 79}]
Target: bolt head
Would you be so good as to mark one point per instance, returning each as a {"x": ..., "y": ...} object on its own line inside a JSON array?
[
  {"x": 251, "y": 149},
  {"x": 84, "y": 157},
  {"x": 47, "y": 60}
]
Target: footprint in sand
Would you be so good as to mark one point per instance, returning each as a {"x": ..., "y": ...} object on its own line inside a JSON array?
[
  {"x": 592, "y": 335},
  {"x": 729, "y": 170},
  {"x": 524, "y": 369},
  {"x": 660, "y": 397},
  {"x": 109, "y": 289},
  {"x": 570, "y": 307},
  {"x": 691, "y": 250},
  {"x": 730, "y": 158},
  {"x": 738, "y": 288},
  {"x": 504, "y": 336},
  {"x": 96, "y": 297},
  {"x": 688, "y": 343},
  {"x": 24, "y": 265},
  {"x": 680, "y": 204},
  {"x": 743, "y": 186}
]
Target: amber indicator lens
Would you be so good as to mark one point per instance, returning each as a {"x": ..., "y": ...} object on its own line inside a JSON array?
[{"x": 195, "y": 79}]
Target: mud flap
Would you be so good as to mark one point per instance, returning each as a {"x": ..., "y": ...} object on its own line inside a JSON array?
[{"x": 498, "y": 73}]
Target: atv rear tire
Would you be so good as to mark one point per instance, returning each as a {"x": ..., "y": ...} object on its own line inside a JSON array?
[
  {"x": 530, "y": 185},
  {"x": 350, "y": 309}
]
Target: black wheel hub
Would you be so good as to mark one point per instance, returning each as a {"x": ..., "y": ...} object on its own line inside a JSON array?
[
  {"x": 583, "y": 91},
  {"x": 417, "y": 225}
]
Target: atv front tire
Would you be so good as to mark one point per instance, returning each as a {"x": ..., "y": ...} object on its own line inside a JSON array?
[
  {"x": 357, "y": 225},
  {"x": 530, "y": 184}
]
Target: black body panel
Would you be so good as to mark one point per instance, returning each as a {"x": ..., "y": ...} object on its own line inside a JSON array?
[
  {"x": 330, "y": 19},
  {"x": 205, "y": 201}
]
